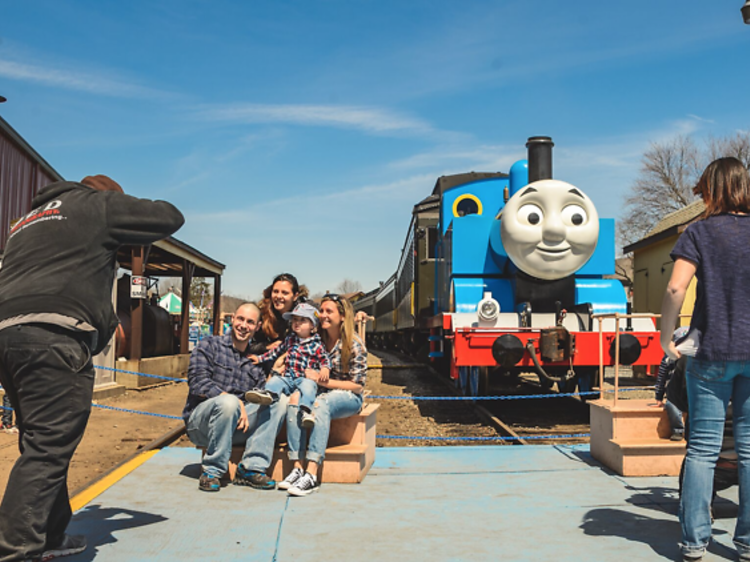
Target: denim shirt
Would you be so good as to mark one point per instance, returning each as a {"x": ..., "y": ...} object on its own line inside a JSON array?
[{"x": 216, "y": 367}]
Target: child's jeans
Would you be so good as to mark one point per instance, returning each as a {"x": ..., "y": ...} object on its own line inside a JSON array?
[
  {"x": 675, "y": 417},
  {"x": 7, "y": 411},
  {"x": 281, "y": 384}
]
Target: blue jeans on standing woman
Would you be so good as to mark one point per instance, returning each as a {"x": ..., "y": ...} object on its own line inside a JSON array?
[
  {"x": 328, "y": 406},
  {"x": 711, "y": 385}
]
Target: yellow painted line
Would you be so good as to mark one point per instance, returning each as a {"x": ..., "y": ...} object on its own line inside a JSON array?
[{"x": 100, "y": 486}]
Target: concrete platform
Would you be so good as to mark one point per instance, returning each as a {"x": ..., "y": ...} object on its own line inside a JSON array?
[{"x": 432, "y": 503}]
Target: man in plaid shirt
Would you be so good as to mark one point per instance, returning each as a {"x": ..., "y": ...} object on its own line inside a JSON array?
[
  {"x": 304, "y": 350},
  {"x": 216, "y": 415}
]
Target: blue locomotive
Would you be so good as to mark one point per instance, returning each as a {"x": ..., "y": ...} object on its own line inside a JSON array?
[{"x": 510, "y": 273}]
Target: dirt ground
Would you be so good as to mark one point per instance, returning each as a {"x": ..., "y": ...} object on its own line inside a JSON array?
[{"x": 112, "y": 436}]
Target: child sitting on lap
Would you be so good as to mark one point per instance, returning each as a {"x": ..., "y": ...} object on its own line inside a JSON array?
[{"x": 304, "y": 351}]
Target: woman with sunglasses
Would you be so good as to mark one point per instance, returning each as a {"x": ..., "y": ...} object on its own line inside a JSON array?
[
  {"x": 338, "y": 397},
  {"x": 279, "y": 298}
]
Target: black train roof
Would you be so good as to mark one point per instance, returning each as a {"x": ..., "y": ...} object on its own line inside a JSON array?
[{"x": 444, "y": 183}]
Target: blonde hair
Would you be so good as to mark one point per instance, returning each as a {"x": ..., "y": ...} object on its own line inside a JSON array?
[{"x": 348, "y": 335}]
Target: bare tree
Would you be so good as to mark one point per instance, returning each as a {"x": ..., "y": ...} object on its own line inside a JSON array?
[
  {"x": 665, "y": 184},
  {"x": 170, "y": 285},
  {"x": 737, "y": 146},
  {"x": 669, "y": 171},
  {"x": 349, "y": 286}
]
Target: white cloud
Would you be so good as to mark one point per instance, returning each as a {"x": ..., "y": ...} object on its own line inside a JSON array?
[
  {"x": 369, "y": 119},
  {"x": 77, "y": 80}
]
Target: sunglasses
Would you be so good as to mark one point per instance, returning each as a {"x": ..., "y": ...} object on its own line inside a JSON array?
[{"x": 332, "y": 297}]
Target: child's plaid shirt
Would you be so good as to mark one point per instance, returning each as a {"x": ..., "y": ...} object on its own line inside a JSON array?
[{"x": 301, "y": 354}]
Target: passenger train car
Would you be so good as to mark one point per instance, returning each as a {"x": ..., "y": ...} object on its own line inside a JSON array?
[{"x": 506, "y": 273}]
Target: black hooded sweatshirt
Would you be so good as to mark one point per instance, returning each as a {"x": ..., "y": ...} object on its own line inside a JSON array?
[{"x": 60, "y": 258}]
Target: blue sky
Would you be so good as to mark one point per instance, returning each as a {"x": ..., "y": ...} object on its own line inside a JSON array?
[{"x": 296, "y": 136}]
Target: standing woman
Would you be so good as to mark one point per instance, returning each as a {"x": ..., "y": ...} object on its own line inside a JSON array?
[
  {"x": 339, "y": 397},
  {"x": 716, "y": 251},
  {"x": 278, "y": 298}
]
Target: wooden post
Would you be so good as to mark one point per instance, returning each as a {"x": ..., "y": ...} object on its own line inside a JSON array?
[
  {"x": 136, "y": 308},
  {"x": 187, "y": 277},
  {"x": 217, "y": 305}
]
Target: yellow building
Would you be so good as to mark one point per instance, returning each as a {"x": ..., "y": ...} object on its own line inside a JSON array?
[{"x": 652, "y": 265}]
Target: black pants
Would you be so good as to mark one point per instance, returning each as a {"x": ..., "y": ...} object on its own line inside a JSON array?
[{"x": 49, "y": 377}]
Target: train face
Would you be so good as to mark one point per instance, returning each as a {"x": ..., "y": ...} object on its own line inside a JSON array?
[{"x": 520, "y": 273}]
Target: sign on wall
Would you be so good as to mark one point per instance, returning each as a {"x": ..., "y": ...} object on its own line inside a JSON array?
[{"x": 138, "y": 287}]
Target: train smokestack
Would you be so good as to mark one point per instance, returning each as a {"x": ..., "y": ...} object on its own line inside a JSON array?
[{"x": 540, "y": 158}]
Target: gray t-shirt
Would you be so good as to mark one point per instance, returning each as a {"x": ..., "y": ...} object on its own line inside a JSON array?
[{"x": 720, "y": 248}]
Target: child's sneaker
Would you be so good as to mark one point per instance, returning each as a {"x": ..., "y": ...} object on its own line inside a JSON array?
[
  {"x": 291, "y": 479},
  {"x": 209, "y": 483},
  {"x": 12, "y": 429},
  {"x": 261, "y": 397},
  {"x": 677, "y": 436},
  {"x": 308, "y": 420},
  {"x": 306, "y": 485}
]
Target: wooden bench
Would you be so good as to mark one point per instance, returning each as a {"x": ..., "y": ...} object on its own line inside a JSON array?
[{"x": 349, "y": 455}]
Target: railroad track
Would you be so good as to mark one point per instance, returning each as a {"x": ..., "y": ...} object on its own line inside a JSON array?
[{"x": 522, "y": 421}]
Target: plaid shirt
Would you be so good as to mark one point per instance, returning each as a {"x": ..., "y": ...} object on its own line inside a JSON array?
[
  {"x": 357, "y": 363},
  {"x": 300, "y": 355},
  {"x": 216, "y": 367}
]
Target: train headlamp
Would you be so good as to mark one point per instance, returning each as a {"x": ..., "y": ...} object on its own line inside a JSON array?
[{"x": 488, "y": 308}]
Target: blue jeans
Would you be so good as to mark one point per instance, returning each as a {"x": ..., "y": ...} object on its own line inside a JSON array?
[
  {"x": 711, "y": 385},
  {"x": 281, "y": 384},
  {"x": 675, "y": 417},
  {"x": 330, "y": 405},
  {"x": 259, "y": 449},
  {"x": 213, "y": 425}
]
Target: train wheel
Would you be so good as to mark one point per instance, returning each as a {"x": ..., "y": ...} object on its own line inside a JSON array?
[
  {"x": 568, "y": 386},
  {"x": 484, "y": 381}
]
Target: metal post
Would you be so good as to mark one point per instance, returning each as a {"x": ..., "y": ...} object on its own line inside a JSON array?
[
  {"x": 601, "y": 358},
  {"x": 187, "y": 276},
  {"x": 136, "y": 308},
  {"x": 617, "y": 356},
  {"x": 217, "y": 305}
]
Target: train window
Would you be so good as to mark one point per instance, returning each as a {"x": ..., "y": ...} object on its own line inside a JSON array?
[
  {"x": 467, "y": 204},
  {"x": 432, "y": 240}
]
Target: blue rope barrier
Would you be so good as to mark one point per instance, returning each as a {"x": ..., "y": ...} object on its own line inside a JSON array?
[
  {"x": 504, "y": 397},
  {"x": 178, "y": 379},
  {"x": 498, "y": 438},
  {"x": 105, "y": 407}
]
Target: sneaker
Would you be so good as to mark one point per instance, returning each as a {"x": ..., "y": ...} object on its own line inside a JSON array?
[
  {"x": 291, "y": 479},
  {"x": 209, "y": 483},
  {"x": 261, "y": 397},
  {"x": 257, "y": 480},
  {"x": 677, "y": 436},
  {"x": 693, "y": 556},
  {"x": 308, "y": 420},
  {"x": 71, "y": 544},
  {"x": 306, "y": 485},
  {"x": 12, "y": 429}
]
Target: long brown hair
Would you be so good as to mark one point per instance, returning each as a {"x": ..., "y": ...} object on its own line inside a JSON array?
[
  {"x": 724, "y": 187},
  {"x": 348, "y": 335},
  {"x": 272, "y": 324}
]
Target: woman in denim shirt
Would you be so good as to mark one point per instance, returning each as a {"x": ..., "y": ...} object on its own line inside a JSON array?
[
  {"x": 716, "y": 252},
  {"x": 339, "y": 397}
]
